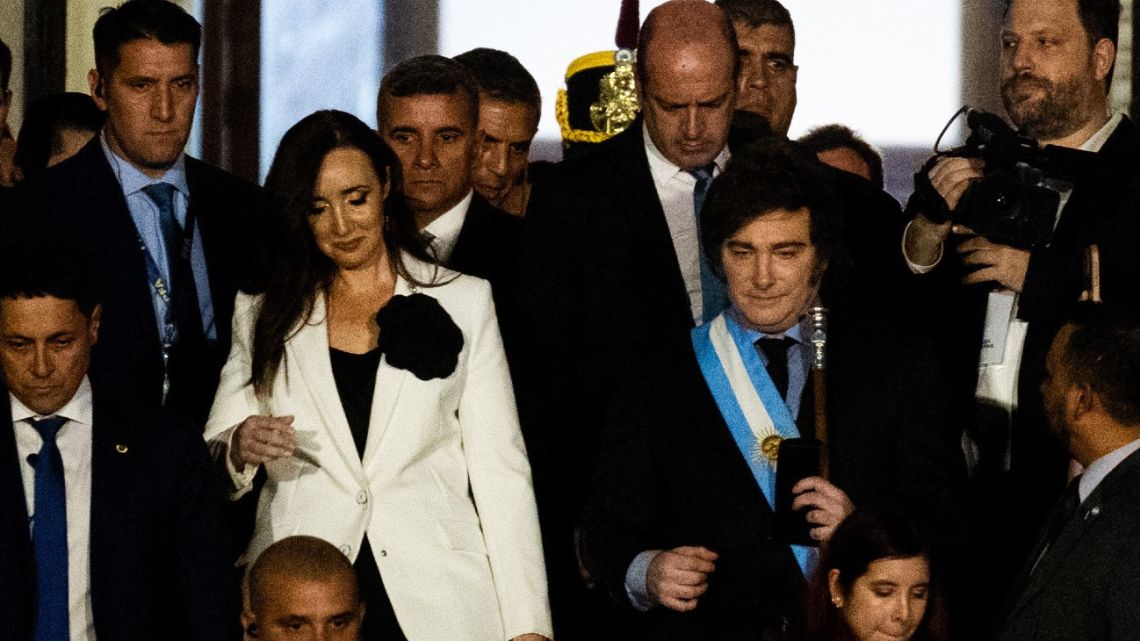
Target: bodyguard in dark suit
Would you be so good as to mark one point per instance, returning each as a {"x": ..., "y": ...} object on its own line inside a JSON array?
[
  {"x": 169, "y": 235},
  {"x": 427, "y": 110},
  {"x": 682, "y": 526},
  {"x": 110, "y": 519},
  {"x": 1080, "y": 580}
]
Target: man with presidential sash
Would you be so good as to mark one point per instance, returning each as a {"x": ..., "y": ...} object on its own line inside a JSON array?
[{"x": 682, "y": 526}]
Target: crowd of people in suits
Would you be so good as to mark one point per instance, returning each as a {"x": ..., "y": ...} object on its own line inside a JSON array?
[{"x": 696, "y": 381}]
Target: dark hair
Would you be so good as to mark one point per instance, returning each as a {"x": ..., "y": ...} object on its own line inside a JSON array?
[
  {"x": 756, "y": 13},
  {"x": 37, "y": 261},
  {"x": 428, "y": 75},
  {"x": 142, "y": 20},
  {"x": 1103, "y": 352},
  {"x": 501, "y": 76},
  {"x": 1100, "y": 18},
  {"x": 5, "y": 66},
  {"x": 649, "y": 30},
  {"x": 300, "y": 270},
  {"x": 41, "y": 135},
  {"x": 869, "y": 534},
  {"x": 767, "y": 175},
  {"x": 828, "y": 137}
]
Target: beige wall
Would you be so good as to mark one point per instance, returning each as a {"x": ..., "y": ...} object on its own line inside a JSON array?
[{"x": 12, "y": 33}]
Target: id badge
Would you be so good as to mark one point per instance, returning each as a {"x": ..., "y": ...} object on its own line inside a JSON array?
[{"x": 999, "y": 313}]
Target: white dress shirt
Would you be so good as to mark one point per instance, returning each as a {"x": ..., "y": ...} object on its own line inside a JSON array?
[
  {"x": 74, "y": 441},
  {"x": 1004, "y": 335},
  {"x": 675, "y": 192},
  {"x": 443, "y": 232}
]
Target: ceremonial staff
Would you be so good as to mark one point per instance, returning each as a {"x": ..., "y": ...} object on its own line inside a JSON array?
[{"x": 819, "y": 381}]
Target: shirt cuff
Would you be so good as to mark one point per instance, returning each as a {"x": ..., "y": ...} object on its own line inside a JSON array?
[
  {"x": 915, "y": 267},
  {"x": 242, "y": 479},
  {"x": 636, "y": 587}
]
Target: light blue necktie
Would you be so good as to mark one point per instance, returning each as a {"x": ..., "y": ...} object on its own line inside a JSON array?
[
  {"x": 714, "y": 296},
  {"x": 49, "y": 536}
]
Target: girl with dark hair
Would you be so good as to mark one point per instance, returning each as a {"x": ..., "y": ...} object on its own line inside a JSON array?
[
  {"x": 874, "y": 583},
  {"x": 371, "y": 385}
]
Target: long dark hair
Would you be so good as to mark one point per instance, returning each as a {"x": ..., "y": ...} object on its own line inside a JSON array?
[
  {"x": 870, "y": 534},
  {"x": 298, "y": 270}
]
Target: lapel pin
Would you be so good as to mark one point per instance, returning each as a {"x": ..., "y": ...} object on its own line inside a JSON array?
[{"x": 121, "y": 449}]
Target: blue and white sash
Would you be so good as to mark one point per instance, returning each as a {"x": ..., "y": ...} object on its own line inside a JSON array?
[{"x": 749, "y": 402}]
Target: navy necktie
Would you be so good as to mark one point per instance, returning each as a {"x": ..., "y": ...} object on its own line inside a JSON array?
[
  {"x": 49, "y": 536},
  {"x": 183, "y": 292},
  {"x": 776, "y": 350},
  {"x": 714, "y": 297}
]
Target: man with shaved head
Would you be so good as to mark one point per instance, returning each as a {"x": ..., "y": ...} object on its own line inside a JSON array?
[
  {"x": 611, "y": 257},
  {"x": 303, "y": 588}
]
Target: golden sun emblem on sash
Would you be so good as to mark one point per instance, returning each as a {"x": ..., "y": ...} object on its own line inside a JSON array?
[{"x": 769, "y": 448}]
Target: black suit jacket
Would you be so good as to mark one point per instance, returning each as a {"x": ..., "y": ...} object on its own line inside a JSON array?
[
  {"x": 159, "y": 552},
  {"x": 81, "y": 198},
  {"x": 1101, "y": 210},
  {"x": 600, "y": 274},
  {"x": 1086, "y": 586},
  {"x": 487, "y": 247},
  {"x": 671, "y": 475}
]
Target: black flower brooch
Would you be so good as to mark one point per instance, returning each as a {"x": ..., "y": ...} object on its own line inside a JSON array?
[{"x": 418, "y": 335}]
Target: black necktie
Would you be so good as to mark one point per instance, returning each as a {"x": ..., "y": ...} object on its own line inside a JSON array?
[
  {"x": 776, "y": 349},
  {"x": 183, "y": 291},
  {"x": 1065, "y": 513}
]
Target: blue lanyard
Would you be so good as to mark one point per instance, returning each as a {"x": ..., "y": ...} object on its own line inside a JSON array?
[{"x": 161, "y": 287}]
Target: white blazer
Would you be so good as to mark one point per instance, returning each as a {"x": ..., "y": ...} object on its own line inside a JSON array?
[{"x": 444, "y": 490}]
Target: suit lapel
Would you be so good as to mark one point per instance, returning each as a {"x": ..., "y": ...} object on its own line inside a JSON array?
[
  {"x": 389, "y": 382},
  {"x": 1059, "y": 553},
  {"x": 13, "y": 502},
  {"x": 309, "y": 349},
  {"x": 202, "y": 207},
  {"x": 636, "y": 192},
  {"x": 16, "y": 555},
  {"x": 114, "y": 489},
  {"x": 469, "y": 236}
]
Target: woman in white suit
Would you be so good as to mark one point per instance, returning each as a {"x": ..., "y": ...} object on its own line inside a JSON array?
[{"x": 371, "y": 385}]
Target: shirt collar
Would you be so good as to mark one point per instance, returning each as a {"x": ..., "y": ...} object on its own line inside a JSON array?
[
  {"x": 133, "y": 180},
  {"x": 76, "y": 410},
  {"x": 1100, "y": 468},
  {"x": 445, "y": 229},
  {"x": 795, "y": 332},
  {"x": 1097, "y": 140},
  {"x": 663, "y": 169}
]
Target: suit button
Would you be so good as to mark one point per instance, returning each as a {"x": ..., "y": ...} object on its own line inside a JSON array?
[
  {"x": 362, "y": 497},
  {"x": 346, "y": 550},
  {"x": 383, "y": 552}
]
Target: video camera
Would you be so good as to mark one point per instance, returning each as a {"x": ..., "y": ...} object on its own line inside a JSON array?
[{"x": 1015, "y": 202}]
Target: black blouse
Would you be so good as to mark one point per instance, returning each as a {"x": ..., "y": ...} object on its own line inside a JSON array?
[{"x": 355, "y": 376}]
